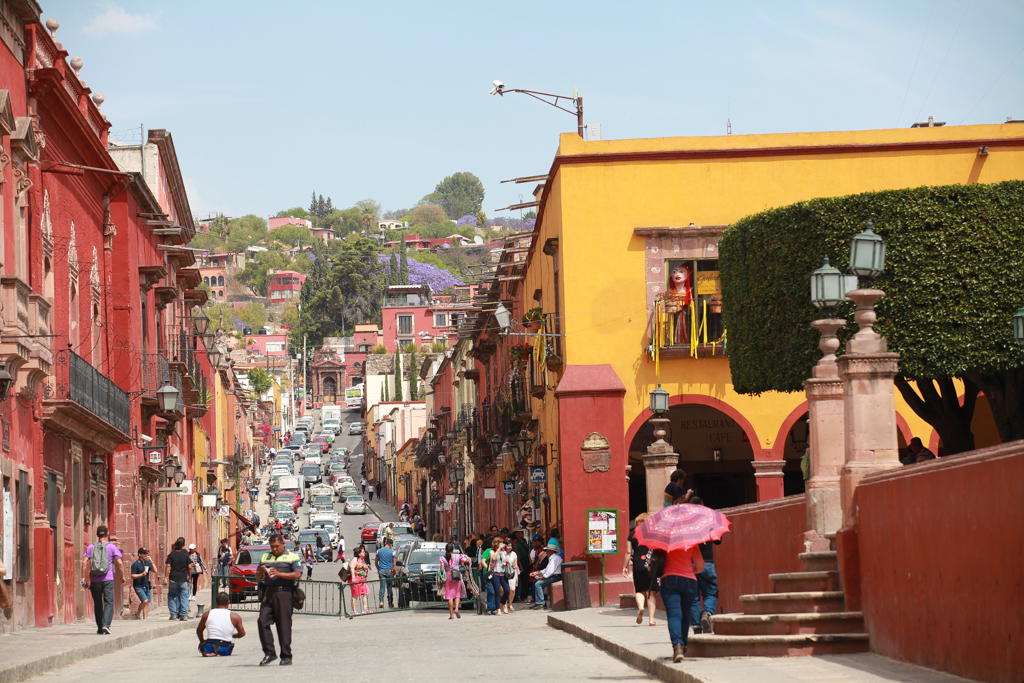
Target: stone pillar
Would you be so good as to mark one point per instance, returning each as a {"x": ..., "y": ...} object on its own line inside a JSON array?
[
  {"x": 768, "y": 477},
  {"x": 867, "y": 370},
  {"x": 825, "y": 416},
  {"x": 659, "y": 463}
]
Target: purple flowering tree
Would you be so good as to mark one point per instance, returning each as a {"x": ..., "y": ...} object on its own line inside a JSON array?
[{"x": 424, "y": 274}]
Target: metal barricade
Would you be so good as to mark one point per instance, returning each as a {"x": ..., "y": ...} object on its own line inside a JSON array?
[
  {"x": 397, "y": 594},
  {"x": 323, "y": 598}
]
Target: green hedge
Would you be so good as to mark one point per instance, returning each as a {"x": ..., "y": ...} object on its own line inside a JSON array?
[{"x": 954, "y": 277}]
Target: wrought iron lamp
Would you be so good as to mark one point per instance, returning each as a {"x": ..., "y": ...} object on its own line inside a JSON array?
[
  {"x": 97, "y": 466},
  {"x": 179, "y": 476},
  {"x": 201, "y": 322},
  {"x": 168, "y": 396},
  {"x": 5, "y": 381},
  {"x": 168, "y": 469},
  {"x": 503, "y": 317}
]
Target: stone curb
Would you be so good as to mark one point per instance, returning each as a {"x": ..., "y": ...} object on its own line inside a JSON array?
[
  {"x": 101, "y": 646},
  {"x": 661, "y": 670}
]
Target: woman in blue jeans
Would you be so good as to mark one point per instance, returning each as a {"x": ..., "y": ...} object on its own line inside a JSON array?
[{"x": 678, "y": 590}]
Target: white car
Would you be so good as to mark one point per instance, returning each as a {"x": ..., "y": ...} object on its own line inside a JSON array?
[
  {"x": 355, "y": 505},
  {"x": 313, "y": 456}
]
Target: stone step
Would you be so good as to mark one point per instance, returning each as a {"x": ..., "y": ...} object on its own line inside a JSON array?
[
  {"x": 715, "y": 645},
  {"x": 627, "y": 600},
  {"x": 796, "y": 582},
  {"x": 824, "y": 561},
  {"x": 787, "y": 624},
  {"x": 794, "y": 603}
]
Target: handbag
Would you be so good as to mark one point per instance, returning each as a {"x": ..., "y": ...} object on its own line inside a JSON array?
[
  {"x": 298, "y": 598},
  {"x": 345, "y": 574}
]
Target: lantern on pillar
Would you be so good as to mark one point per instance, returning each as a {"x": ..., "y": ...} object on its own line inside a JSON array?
[
  {"x": 659, "y": 401},
  {"x": 827, "y": 286},
  {"x": 1018, "y": 327},
  {"x": 867, "y": 253}
]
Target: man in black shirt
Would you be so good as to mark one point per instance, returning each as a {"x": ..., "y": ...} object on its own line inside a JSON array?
[
  {"x": 177, "y": 572},
  {"x": 279, "y": 569}
]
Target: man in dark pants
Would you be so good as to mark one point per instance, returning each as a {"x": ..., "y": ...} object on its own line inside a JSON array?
[
  {"x": 99, "y": 573},
  {"x": 279, "y": 570},
  {"x": 707, "y": 587}
]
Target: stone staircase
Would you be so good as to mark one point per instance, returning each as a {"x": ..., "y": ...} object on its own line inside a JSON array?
[{"x": 804, "y": 616}]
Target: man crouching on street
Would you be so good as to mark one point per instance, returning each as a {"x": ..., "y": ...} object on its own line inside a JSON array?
[
  {"x": 222, "y": 627},
  {"x": 279, "y": 570}
]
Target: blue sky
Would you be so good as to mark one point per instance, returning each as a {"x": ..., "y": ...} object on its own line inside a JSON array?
[{"x": 269, "y": 101}]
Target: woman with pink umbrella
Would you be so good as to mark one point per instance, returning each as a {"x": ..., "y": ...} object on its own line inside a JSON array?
[{"x": 674, "y": 533}]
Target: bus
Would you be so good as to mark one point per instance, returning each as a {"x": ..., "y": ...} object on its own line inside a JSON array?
[{"x": 354, "y": 397}]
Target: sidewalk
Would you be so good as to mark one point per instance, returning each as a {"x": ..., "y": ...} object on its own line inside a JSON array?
[
  {"x": 383, "y": 511},
  {"x": 648, "y": 648},
  {"x": 36, "y": 651}
]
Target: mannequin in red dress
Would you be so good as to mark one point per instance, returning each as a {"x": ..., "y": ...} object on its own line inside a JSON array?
[{"x": 679, "y": 283}]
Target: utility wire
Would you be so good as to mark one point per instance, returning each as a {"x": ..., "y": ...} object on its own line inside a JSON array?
[
  {"x": 931, "y": 12},
  {"x": 993, "y": 83},
  {"x": 928, "y": 94}
]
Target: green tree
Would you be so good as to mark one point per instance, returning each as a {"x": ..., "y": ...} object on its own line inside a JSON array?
[
  {"x": 254, "y": 276},
  {"x": 394, "y": 270},
  {"x": 254, "y": 315},
  {"x": 343, "y": 221},
  {"x": 413, "y": 375},
  {"x": 291, "y": 235},
  {"x": 458, "y": 194},
  {"x": 952, "y": 283},
  {"x": 428, "y": 214},
  {"x": 398, "y": 376},
  {"x": 260, "y": 380},
  {"x": 329, "y": 206},
  {"x": 246, "y": 231},
  {"x": 294, "y": 212},
  {"x": 404, "y": 256},
  {"x": 314, "y": 208}
]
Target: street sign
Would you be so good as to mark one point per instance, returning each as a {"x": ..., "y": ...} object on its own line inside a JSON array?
[
  {"x": 538, "y": 475},
  {"x": 224, "y": 511},
  {"x": 155, "y": 456},
  {"x": 247, "y": 514},
  {"x": 508, "y": 487}
]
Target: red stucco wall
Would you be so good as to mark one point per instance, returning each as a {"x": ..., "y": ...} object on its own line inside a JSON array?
[
  {"x": 763, "y": 538},
  {"x": 942, "y": 563}
]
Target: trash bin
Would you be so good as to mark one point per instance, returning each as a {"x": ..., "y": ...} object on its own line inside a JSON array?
[{"x": 575, "y": 585}]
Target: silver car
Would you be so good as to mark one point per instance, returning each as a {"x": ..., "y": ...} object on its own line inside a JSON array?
[{"x": 355, "y": 505}]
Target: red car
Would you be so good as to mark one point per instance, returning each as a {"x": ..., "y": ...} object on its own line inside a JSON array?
[
  {"x": 369, "y": 532},
  {"x": 242, "y": 572},
  {"x": 288, "y": 497}
]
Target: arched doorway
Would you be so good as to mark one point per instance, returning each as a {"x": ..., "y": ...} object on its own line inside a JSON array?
[
  {"x": 714, "y": 450},
  {"x": 330, "y": 388}
]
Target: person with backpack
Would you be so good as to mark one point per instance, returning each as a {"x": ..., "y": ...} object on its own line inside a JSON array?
[
  {"x": 98, "y": 566},
  {"x": 177, "y": 569}
]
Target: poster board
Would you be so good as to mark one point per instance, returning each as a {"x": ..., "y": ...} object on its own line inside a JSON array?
[{"x": 602, "y": 531}]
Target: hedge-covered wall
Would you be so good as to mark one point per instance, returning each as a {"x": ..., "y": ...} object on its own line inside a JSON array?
[{"x": 954, "y": 277}]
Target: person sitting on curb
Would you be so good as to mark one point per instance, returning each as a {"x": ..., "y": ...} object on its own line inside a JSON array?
[
  {"x": 222, "y": 627},
  {"x": 917, "y": 453}
]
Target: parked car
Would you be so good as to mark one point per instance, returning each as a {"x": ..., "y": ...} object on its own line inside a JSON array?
[
  {"x": 355, "y": 428},
  {"x": 398, "y": 528},
  {"x": 355, "y": 505},
  {"x": 420, "y": 563},
  {"x": 308, "y": 537},
  {"x": 369, "y": 532},
  {"x": 242, "y": 571}
]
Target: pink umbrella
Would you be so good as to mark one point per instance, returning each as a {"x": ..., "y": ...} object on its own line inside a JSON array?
[{"x": 679, "y": 527}]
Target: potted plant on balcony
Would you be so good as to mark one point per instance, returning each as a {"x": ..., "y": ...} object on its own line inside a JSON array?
[
  {"x": 533, "y": 319},
  {"x": 554, "y": 361},
  {"x": 519, "y": 352},
  {"x": 674, "y": 301}
]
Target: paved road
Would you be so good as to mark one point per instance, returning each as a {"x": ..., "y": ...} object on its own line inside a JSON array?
[{"x": 408, "y": 646}]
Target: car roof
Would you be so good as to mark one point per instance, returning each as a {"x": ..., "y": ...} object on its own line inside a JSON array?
[{"x": 367, "y": 525}]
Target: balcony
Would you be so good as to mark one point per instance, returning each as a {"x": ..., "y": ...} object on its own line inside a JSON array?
[
  {"x": 155, "y": 370},
  {"x": 82, "y": 403}
]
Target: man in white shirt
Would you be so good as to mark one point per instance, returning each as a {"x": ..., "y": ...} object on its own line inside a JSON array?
[
  {"x": 222, "y": 626},
  {"x": 547, "y": 576}
]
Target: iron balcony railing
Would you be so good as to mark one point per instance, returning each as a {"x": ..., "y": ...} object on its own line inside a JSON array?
[{"x": 76, "y": 380}]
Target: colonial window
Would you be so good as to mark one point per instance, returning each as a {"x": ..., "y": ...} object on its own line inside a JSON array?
[
  {"x": 405, "y": 324},
  {"x": 220, "y": 281},
  {"x": 206, "y": 280},
  {"x": 23, "y": 492},
  {"x": 440, "y": 320}
]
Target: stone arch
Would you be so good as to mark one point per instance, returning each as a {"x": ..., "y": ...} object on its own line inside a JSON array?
[{"x": 700, "y": 399}]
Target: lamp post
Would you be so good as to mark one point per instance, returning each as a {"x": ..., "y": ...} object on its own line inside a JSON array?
[
  {"x": 577, "y": 101},
  {"x": 659, "y": 460},
  {"x": 168, "y": 396},
  {"x": 5, "y": 381}
]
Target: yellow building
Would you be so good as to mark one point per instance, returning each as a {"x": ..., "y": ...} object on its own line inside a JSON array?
[{"x": 617, "y": 217}]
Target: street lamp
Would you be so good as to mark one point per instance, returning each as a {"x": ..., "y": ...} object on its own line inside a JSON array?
[
  {"x": 503, "y": 317},
  {"x": 1018, "y": 326},
  {"x": 577, "y": 101},
  {"x": 522, "y": 441},
  {"x": 179, "y": 476},
  {"x": 168, "y": 396},
  {"x": 828, "y": 286},
  {"x": 659, "y": 401},
  {"x": 867, "y": 253},
  {"x": 97, "y": 465},
  {"x": 5, "y": 381},
  {"x": 495, "y": 445},
  {"x": 168, "y": 469},
  {"x": 202, "y": 323},
  {"x": 460, "y": 473}
]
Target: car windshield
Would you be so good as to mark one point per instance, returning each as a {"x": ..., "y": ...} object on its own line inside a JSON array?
[
  {"x": 285, "y": 514},
  {"x": 354, "y": 499},
  {"x": 250, "y": 555},
  {"x": 311, "y": 469},
  {"x": 322, "y": 500},
  {"x": 425, "y": 557}
]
